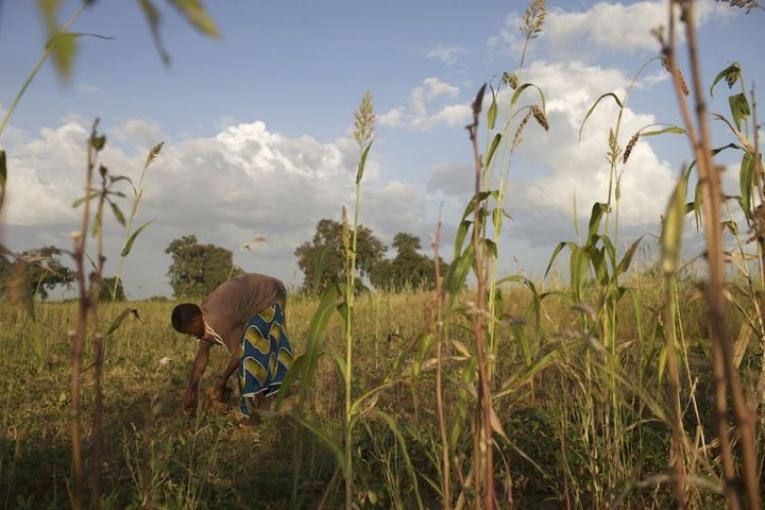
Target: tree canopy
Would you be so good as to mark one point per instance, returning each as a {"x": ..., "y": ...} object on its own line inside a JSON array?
[
  {"x": 322, "y": 259},
  {"x": 39, "y": 271},
  {"x": 107, "y": 287},
  {"x": 324, "y": 254},
  {"x": 197, "y": 269},
  {"x": 408, "y": 269}
]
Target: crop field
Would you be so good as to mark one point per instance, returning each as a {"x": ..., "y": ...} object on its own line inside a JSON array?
[
  {"x": 557, "y": 446},
  {"x": 628, "y": 372}
]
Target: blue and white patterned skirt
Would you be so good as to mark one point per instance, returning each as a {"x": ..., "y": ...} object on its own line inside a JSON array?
[{"x": 266, "y": 356}]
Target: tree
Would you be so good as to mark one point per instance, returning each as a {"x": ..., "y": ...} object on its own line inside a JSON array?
[
  {"x": 408, "y": 269},
  {"x": 322, "y": 259},
  {"x": 197, "y": 269},
  {"x": 41, "y": 269},
  {"x": 107, "y": 288},
  {"x": 405, "y": 242}
]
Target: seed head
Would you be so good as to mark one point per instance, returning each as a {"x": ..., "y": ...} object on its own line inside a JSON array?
[
  {"x": 540, "y": 117},
  {"x": 510, "y": 79},
  {"x": 365, "y": 120},
  {"x": 534, "y": 19},
  {"x": 732, "y": 75},
  {"x": 743, "y": 4},
  {"x": 613, "y": 147},
  {"x": 630, "y": 146},
  {"x": 683, "y": 84},
  {"x": 519, "y": 131}
]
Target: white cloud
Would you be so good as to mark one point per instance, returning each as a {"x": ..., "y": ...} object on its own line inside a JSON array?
[
  {"x": 392, "y": 118},
  {"x": 581, "y": 168},
  {"x": 447, "y": 55},
  {"x": 136, "y": 131},
  {"x": 427, "y": 108},
  {"x": 435, "y": 87},
  {"x": 454, "y": 115},
  {"x": 605, "y": 27},
  {"x": 45, "y": 175},
  {"x": 431, "y": 89},
  {"x": 226, "y": 189},
  {"x": 650, "y": 80}
]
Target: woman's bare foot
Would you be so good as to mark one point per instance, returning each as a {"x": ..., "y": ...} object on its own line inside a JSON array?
[{"x": 252, "y": 421}]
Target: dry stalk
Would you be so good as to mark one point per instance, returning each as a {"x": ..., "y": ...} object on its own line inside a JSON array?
[
  {"x": 678, "y": 433},
  {"x": 78, "y": 339},
  {"x": 98, "y": 346},
  {"x": 724, "y": 369}
]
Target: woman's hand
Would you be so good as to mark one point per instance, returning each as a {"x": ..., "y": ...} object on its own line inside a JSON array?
[
  {"x": 222, "y": 392},
  {"x": 188, "y": 401}
]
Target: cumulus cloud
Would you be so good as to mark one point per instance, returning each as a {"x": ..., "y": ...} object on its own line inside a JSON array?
[
  {"x": 45, "y": 175},
  {"x": 580, "y": 167},
  {"x": 550, "y": 169},
  {"x": 604, "y": 27},
  {"x": 429, "y": 107},
  {"x": 454, "y": 115},
  {"x": 431, "y": 89},
  {"x": 447, "y": 55},
  {"x": 393, "y": 117},
  {"x": 137, "y": 131},
  {"x": 245, "y": 181}
]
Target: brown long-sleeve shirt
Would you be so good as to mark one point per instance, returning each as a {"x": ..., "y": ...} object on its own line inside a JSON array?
[{"x": 229, "y": 308}]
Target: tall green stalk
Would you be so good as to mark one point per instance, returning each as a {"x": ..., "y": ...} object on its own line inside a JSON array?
[
  {"x": 531, "y": 27},
  {"x": 350, "y": 290},
  {"x": 363, "y": 134},
  {"x": 130, "y": 236}
]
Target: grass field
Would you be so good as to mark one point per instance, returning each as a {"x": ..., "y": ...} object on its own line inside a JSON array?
[{"x": 158, "y": 457}]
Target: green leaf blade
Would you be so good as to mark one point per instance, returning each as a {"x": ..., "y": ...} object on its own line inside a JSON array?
[
  {"x": 117, "y": 213},
  {"x": 363, "y": 163},
  {"x": 594, "y": 105},
  {"x": 117, "y": 322},
  {"x": 132, "y": 238},
  {"x": 197, "y": 16},
  {"x": 672, "y": 231}
]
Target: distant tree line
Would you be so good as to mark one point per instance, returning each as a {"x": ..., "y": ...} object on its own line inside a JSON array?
[
  {"x": 36, "y": 273},
  {"x": 199, "y": 268},
  {"x": 322, "y": 260}
]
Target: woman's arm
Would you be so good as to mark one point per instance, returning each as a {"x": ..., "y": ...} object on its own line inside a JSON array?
[
  {"x": 200, "y": 364},
  {"x": 220, "y": 386}
]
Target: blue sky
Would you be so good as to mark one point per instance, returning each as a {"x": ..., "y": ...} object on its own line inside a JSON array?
[{"x": 257, "y": 122}]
